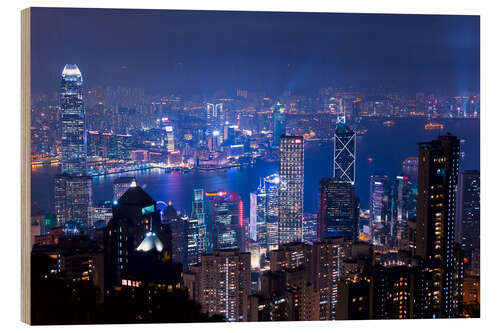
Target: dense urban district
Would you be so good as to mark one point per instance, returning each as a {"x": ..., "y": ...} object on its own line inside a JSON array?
[{"x": 413, "y": 252}]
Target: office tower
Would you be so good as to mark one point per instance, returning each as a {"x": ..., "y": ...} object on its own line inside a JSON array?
[
  {"x": 123, "y": 144},
  {"x": 200, "y": 223},
  {"x": 226, "y": 220},
  {"x": 310, "y": 228},
  {"x": 193, "y": 243},
  {"x": 356, "y": 109},
  {"x": 468, "y": 212},
  {"x": 215, "y": 113},
  {"x": 279, "y": 124},
  {"x": 221, "y": 284},
  {"x": 254, "y": 249},
  {"x": 379, "y": 206},
  {"x": 94, "y": 143},
  {"x": 229, "y": 137},
  {"x": 121, "y": 185},
  {"x": 214, "y": 141},
  {"x": 74, "y": 135},
  {"x": 405, "y": 199},
  {"x": 404, "y": 207},
  {"x": 438, "y": 167},
  {"x": 291, "y": 189},
  {"x": 101, "y": 213},
  {"x": 73, "y": 199},
  {"x": 326, "y": 263},
  {"x": 252, "y": 224},
  {"x": 338, "y": 213},
  {"x": 170, "y": 138},
  {"x": 73, "y": 189},
  {"x": 177, "y": 226},
  {"x": 271, "y": 185},
  {"x": 344, "y": 152},
  {"x": 258, "y": 213}
]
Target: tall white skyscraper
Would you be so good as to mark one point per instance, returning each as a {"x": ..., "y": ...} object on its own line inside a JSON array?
[{"x": 291, "y": 189}]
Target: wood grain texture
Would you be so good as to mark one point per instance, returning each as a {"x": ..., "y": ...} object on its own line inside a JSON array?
[{"x": 25, "y": 165}]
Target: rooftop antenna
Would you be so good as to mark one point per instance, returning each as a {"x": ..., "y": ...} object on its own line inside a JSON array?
[{"x": 341, "y": 115}]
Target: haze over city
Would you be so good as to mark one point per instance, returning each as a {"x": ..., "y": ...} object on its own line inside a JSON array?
[{"x": 249, "y": 166}]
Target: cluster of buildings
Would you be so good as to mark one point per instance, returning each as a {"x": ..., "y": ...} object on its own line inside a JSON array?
[
  {"x": 128, "y": 130},
  {"x": 413, "y": 254}
]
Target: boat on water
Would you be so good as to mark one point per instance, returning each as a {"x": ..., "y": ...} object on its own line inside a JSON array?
[
  {"x": 361, "y": 131},
  {"x": 389, "y": 123},
  {"x": 434, "y": 126}
]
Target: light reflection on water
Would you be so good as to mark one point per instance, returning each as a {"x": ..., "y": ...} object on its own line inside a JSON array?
[{"x": 387, "y": 147}]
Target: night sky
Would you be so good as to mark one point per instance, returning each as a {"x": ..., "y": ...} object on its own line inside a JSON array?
[{"x": 191, "y": 52}]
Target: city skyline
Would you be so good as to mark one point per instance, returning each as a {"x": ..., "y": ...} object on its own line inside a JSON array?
[{"x": 337, "y": 203}]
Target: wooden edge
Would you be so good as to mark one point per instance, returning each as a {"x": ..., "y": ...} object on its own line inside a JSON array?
[{"x": 25, "y": 165}]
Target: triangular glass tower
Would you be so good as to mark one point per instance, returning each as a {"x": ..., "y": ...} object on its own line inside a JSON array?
[{"x": 344, "y": 149}]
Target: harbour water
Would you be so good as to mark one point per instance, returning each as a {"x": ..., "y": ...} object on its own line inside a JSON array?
[{"x": 380, "y": 149}]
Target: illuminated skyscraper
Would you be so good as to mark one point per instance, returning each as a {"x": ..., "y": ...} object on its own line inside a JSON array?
[
  {"x": 338, "y": 213},
  {"x": 258, "y": 214},
  {"x": 73, "y": 188},
  {"x": 194, "y": 240},
  {"x": 252, "y": 222},
  {"x": 404, "y": 206},
  {"x": 405, "y": 199},
  {"x": 121, "y": 185},
  {"x": 170, "y": 138},
  {"x": 271, "y": 185},
  {"x": 74, "y": 136},
  {"x": 344, "y": 149},
  {"x": 291, "y": 189},
  {"x": 356, "y": 109},
  {"x": 73, "y": 199},
  {"x": 279, "y": 123},
  {"x": 468, "y": 212},
  {"x": 379, "y": 204},
  {"x": 199, "y": 222},
  {"x": 226, "y": 220},
  {"x": 178, "y": 227},
  {"x": 215, "y": 113},
  {"x": 438, "y": 167}
]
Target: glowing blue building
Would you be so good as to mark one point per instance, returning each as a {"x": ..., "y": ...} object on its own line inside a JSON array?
[{"x": 74, "y": 136}]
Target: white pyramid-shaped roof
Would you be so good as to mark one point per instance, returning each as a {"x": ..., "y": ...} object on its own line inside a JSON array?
[
  {"x": 71, "y": 70},
  {"x": 151, "y": 241}
]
